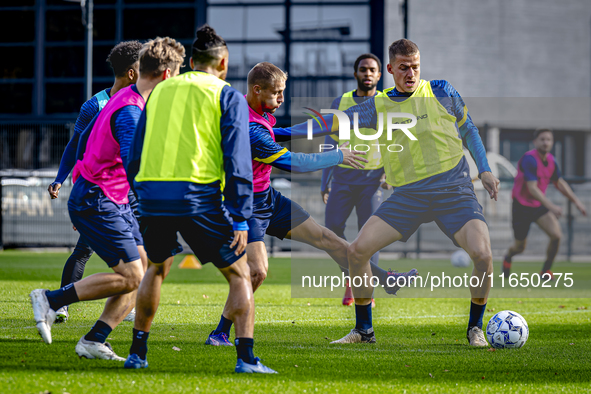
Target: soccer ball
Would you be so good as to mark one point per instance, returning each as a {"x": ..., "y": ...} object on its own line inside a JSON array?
[
  {"x": 507, "y": 330},
  {"x": 460, "y": 259}
]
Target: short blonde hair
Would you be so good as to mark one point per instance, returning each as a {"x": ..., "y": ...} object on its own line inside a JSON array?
[
  {"x": 265, "y": 75},
  {"x": 159, "y": 54}
]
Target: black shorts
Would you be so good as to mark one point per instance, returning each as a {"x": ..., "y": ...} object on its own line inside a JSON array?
[
  {"x": 523, "y": 217},
  {"x": 209, "y": 235}
]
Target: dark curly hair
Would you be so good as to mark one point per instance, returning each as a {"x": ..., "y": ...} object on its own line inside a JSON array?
[
  {"x": 367, "y": 56},
  {"x": 123, "y": 56},
  {"x": 207, "y": 46}
]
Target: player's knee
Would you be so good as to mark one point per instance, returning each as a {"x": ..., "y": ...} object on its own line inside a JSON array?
[
  {"x": 482, "y": 259},
  {"x": 520, "y": 247},
  {"x": 556, "y": 237},
  {"x": 133, "y": 278},
  {"x": 257, "y": 276},
  {"x": 355, "y": 254}
]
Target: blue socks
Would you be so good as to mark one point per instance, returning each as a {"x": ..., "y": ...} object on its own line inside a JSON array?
[
  {"x": 224, "y": 326},
  {"x": 244, "y": 350},
  {"x": 363, "y": 317},
  {"x": 99, "y": 332},
  {"x": 65, "y": 296},
  {"x": 476, "y": 314},
  {"x": 139, "y": 345}
]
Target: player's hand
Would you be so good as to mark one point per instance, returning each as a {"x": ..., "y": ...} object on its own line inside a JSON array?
[
  {"x": 324, "y": 195},
  {"x": 491, "y": 184},
  {"x": 54, "y": 189},
  {"x": 240, "y": 241},
  {"x": 556, "y": 210},
  {"x": 582, "y": 209},
  {"x": 352, "y": 157}
]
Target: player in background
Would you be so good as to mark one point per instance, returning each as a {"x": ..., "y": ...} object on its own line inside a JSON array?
[
  {"x": 274, "y": 214},
  {"x": 123, "y": 60},
  {"x": 431, "y": 182},
  {"x": 344, "y": 187},
  {"x": 194, "y": 130},
  {"x": 99, "y": 207},
  {"x": 535, "y": 171}
]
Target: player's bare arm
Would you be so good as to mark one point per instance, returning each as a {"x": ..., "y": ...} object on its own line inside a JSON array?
[
  {"x": 564, "y": 188},
  {"x": 532, "y": 187}
]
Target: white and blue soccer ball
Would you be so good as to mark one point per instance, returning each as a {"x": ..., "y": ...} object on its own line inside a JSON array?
[
  {"x": 507, "y": 330},
  {"x": 460, "y": 259}
]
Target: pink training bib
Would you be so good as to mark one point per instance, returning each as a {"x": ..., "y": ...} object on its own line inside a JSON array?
[
  {"x": 101, "y": 163},
  {"x": 544, "y": 173}
]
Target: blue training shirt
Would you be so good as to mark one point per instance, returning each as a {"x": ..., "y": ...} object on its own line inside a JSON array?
[
  {"x": 188, "y": 198},
  {"x": 123, "y": 124},
  {"x": 87, "y": 112},
  {"x": 529, "y": 167}
]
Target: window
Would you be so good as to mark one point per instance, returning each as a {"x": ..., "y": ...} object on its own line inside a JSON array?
[
  {"x": 65, "y": 61},
  {"x": 63, "y": 97},
  {"x": 64, "y": 25},
  {"x": 17, "y": 62},
  {"x": 177, "y": 23},
  {"x": 17, "y": 26},
  {"x": 16, "y": 98}
]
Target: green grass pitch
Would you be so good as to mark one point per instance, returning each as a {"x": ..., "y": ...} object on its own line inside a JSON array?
[{"x": 421, "y": 342}]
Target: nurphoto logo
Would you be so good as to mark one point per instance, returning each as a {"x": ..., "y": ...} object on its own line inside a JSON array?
[{"x": 409, "y": 122}]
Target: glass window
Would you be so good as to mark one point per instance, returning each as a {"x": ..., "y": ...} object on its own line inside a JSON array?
[
  {"x": 104, "y": 25},
  {"x": 17, "y": 26},
  {"x": 174, "y": 23},
  {"x": 64, "y": 25},
  {"x": 330, "y": 22},
  {"x": 244, "y": 23},
  {"x": 243, "y": 57},
  {"x": 100, "y": 66},
  {"x": 16, "y": 98},
  {"x": 324, "y": 59},
  {"x": 63, "y": 97},
  {"x": 65, "y": 2},
  {"x": 17, "y": 62},
  {"x": 65, "y": 61},
  {"x": 157, "y": 1}
]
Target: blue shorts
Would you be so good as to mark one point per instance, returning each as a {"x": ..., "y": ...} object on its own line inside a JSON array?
[
  {"x": 111, "y": 230},
  {"x": 343, "y": 198},
  {"x": 275, "y": 215},
  {"x": 450, "y": 208},
  {"x": 209, "y": 235}
]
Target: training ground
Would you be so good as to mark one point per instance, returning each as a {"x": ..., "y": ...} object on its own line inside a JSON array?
[{"x": 421, "y": 344}]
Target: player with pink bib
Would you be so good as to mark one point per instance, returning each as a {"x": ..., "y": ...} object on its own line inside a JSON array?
[
  {"x": 99, "y": 207},
  {"x": 535, "y": 170}
]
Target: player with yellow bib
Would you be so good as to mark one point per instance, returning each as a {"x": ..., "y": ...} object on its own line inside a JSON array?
[{"x": 424, "y": 161}]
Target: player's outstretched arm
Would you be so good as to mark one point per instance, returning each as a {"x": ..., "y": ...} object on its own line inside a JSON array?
[{"x": 564, "y": 188}]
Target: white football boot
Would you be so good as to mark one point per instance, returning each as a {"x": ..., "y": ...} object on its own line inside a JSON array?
[
  {"x": 44, "y": 315},
  {"x": 62, "y": 315},
  {"x": 476, "y": 337},
  {"x": 357, "y": 336},
  {"x": 90, "y": 349}
]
